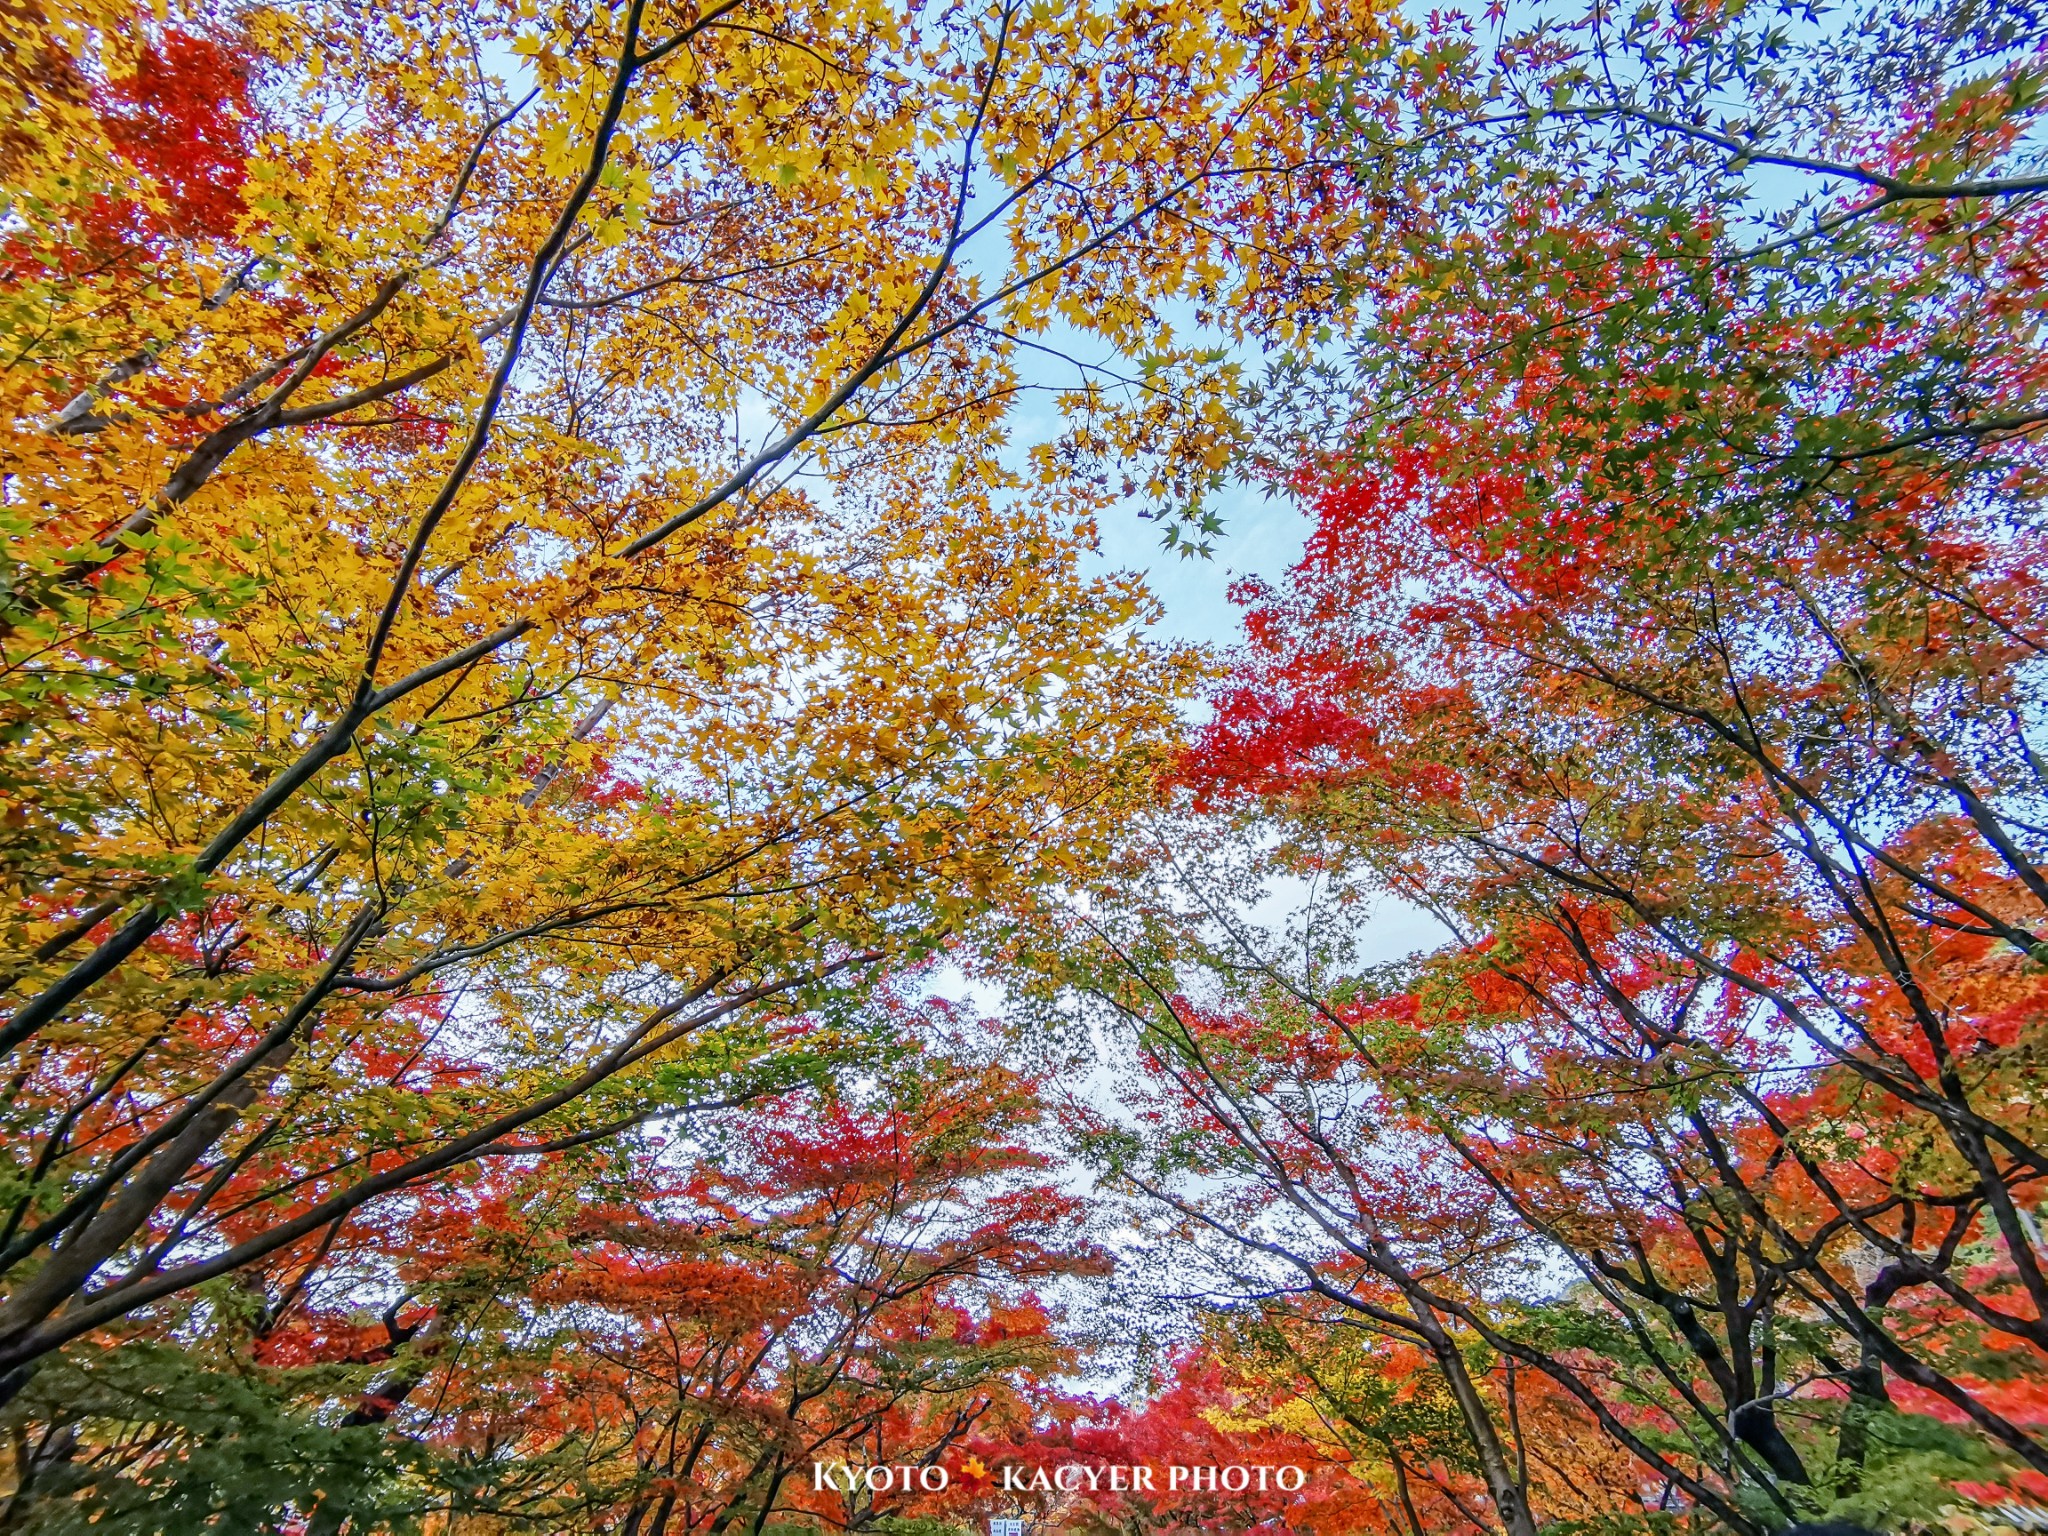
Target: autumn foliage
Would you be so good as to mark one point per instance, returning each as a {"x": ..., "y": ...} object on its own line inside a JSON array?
[
  {"x": 552, "y": 619},
  {"x": 1672, "y": 633}
]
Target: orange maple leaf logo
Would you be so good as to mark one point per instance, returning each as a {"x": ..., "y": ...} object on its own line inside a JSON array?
[{"x": 974, "y": 1466}]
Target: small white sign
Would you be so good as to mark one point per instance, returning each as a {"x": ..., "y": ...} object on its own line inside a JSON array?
[{"x": 1006, "y": 1528}]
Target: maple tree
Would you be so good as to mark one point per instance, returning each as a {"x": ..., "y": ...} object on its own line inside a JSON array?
[
  {"x": 1670, "y": 630},
  {"x": 666, "y": 1334},
  {"x": 1231, "y": 1399},
  {"x": 530, "y": 613},
  {"x": 515, "y": 581},
  {"x": 1558, "y": 1235},
  {"x": 848, "y": 1286},
  {"x": 522, "y": 610}
]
